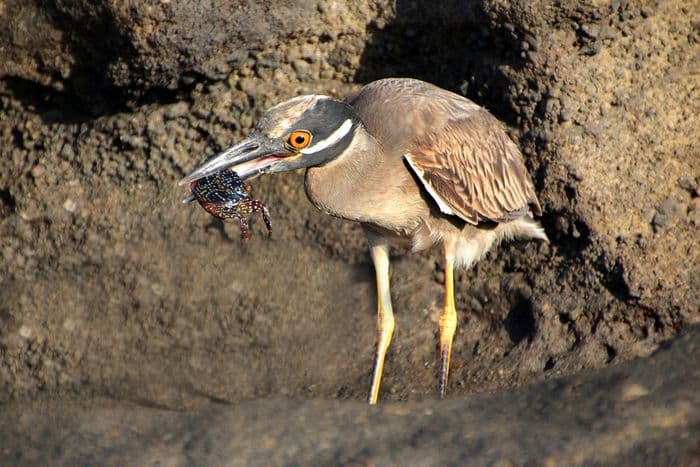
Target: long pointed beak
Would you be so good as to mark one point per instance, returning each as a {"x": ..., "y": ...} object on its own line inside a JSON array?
[{"x": 248, "y": 158}]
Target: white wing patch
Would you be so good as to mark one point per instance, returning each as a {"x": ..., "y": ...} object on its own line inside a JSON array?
[
  {"x": 336, "y": 136},
  {"x": 444, "y": 207}
]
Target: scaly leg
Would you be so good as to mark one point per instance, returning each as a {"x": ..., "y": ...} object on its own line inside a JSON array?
[
  {"x": 379, "y": 250},
  {"x": 247, "y": 207},
  {"x": 245, "y": 228},
  {"x": 448, "y": 319}
]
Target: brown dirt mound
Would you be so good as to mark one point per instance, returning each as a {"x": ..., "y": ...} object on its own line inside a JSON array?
[{"x": 109, "y": 286}]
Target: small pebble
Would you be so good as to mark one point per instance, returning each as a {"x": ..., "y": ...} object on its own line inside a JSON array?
[
  {"x": 25, "y": 331},
  {"x": 70, "y": 205},
  {"x": 67, "y": 151},
  {"x": 591, "y": 49},
  {"x": 686, "y": 182},
  {"x": 590, "y": 30},
  {"x": 694, "y": 214},
  {"x": 668, "y": 213},
  {"x": 69, "y": 324},
  {"x": 176, "y": 110},
  {"x": 633, "y": 391},
  {"x": 37, "y": 171}
]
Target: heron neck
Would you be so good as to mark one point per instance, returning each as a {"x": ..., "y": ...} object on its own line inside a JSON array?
[{"x": 345, "y": 186}]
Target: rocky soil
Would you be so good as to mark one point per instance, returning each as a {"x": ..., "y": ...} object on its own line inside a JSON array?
[
  {"x": 623, "y": 415},
  {"x": 110, "y": 288}
]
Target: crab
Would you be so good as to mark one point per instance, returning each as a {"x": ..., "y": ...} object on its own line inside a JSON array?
[{"x": 225, "y": 196}]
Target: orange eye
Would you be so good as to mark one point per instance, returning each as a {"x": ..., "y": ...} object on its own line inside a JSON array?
[{"x": 299, "y": 139}]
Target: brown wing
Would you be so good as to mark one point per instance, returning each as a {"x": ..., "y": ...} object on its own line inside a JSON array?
[
  {"x": 472, "y": 168},
  {"x": 458, "y": 150}
]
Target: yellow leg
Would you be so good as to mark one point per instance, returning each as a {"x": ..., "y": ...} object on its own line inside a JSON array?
[
  {"x": 448, "y": 320},
  {"x": 385, "y": 316}
]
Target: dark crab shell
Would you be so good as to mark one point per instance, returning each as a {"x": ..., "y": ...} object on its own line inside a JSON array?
[
  {"x": 219, "y": 194},
  {"x": 223, "y": 195}
]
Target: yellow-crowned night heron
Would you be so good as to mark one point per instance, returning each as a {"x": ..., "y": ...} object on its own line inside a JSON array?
[{"x": 414, "y": 164}]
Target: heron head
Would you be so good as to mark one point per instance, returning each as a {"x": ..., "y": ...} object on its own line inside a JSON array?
[{"x": 305, "y": 131}]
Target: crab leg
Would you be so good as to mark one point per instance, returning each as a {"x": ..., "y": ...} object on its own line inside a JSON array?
[
  {"x": 250, "y": 206},
  {"x": 243, "y": 222}
]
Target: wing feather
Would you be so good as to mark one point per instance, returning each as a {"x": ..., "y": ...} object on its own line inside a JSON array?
[
  {"x": 471, "y": 165},
  {"x": 458, "y": 150}
]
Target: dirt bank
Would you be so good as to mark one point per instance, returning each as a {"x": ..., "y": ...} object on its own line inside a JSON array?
[{"x": 110, "y": 287}]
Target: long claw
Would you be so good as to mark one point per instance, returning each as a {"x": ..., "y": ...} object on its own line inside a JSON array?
[
  {"x": 266, "y": 219},
  {"x": 445, "y": 355}
]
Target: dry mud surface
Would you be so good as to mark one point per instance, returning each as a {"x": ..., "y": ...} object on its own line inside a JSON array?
[
  {"x": 113, "y": 294},
  {"x": 623, "y": 415}
]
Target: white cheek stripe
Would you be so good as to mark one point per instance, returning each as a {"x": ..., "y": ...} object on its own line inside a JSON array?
[
  {"x": 444, "y": 207},
  {"x": 336, "y": 136}
]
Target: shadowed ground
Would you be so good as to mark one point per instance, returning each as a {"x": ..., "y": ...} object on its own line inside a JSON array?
[{"x": 643, "y": 412}]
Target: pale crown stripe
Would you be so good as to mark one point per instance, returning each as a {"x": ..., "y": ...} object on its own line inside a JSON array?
[{"x": 336, "y": 136}]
